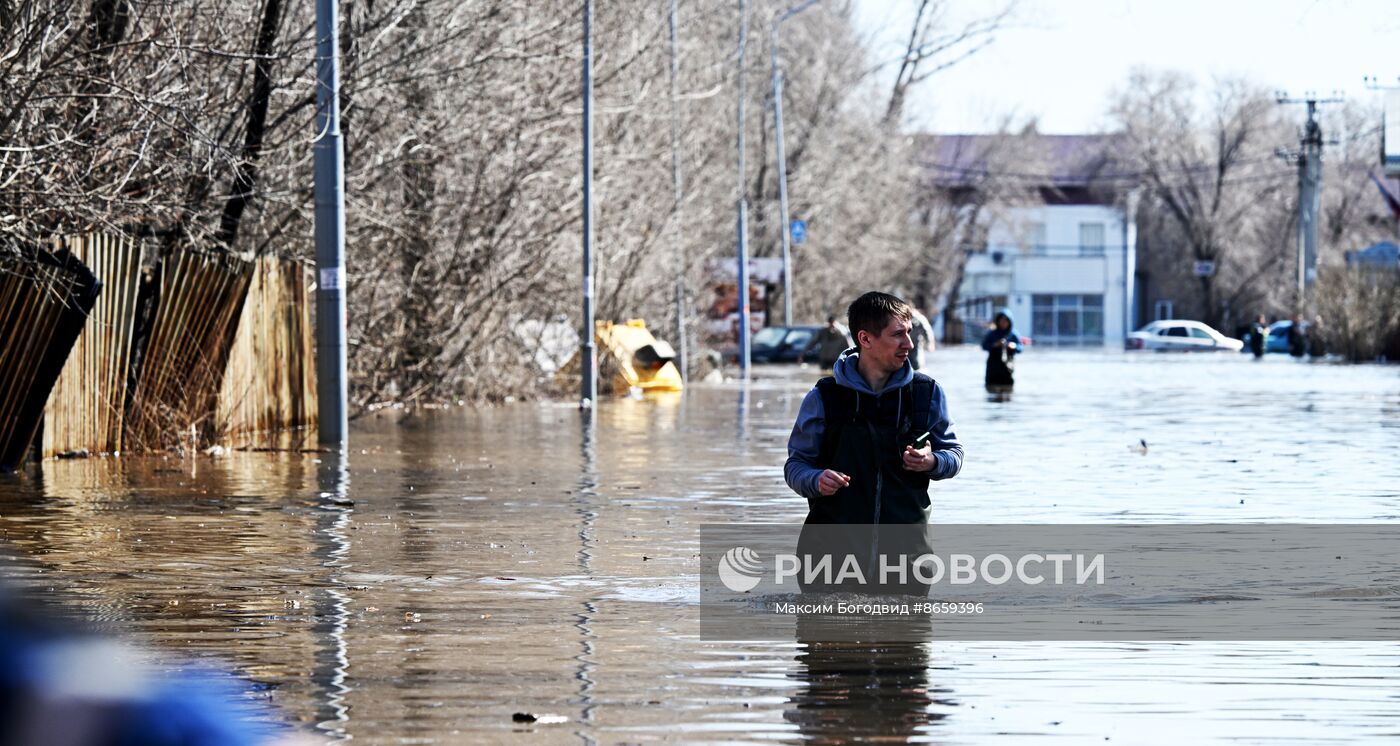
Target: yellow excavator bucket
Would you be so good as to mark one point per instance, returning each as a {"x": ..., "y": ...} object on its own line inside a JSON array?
[{"x": 636, "y": 359}]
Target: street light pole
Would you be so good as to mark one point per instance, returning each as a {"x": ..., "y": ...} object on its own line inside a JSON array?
[
  {"x": 328, "y": 158},
  {"x": 677, "y": 197},
  {"x": 589, "y": 384},
  {"x": 784, "y": 221},
  {"x": 742, "y": 205}
]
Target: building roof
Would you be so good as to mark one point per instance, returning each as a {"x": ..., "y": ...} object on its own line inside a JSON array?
[{"x": 1054, "y": 161}]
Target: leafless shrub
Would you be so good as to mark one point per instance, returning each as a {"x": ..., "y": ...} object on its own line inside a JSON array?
[{"x": 1357, "y": 311}]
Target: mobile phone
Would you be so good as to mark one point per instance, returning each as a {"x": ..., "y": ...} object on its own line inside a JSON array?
[{"x": 920, "y": 442}]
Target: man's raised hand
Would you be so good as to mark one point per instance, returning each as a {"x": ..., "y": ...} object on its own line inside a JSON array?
[{"x": 831, "y": 481}]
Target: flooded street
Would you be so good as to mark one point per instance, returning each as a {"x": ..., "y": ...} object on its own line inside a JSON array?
[{"x": 473, "y": 564}]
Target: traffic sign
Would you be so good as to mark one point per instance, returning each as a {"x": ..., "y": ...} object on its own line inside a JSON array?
[{"x": 799, "y": 231}]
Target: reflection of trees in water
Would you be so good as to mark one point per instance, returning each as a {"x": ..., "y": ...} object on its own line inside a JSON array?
[{"x": 853, "y": 690}]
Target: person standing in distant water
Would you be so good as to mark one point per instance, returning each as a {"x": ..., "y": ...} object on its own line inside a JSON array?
[
  {"x": 1317, "y": 344},
  {"x": 828, "y": 343},
  {"x": 1002, "y": 345},
  {"x": 922, "y": 336},
  {"x": 1297, "y": 338},
  {"x": 1258, "y": 332}
]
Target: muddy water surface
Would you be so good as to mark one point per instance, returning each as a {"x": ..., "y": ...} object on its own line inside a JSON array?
[{"x": 467, "y": 565}]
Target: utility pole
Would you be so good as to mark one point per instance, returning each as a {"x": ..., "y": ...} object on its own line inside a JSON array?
[
  {"x": 589, "y": 393},
  {"x": 742, "y": 205},
  {"x": 328, "y": 157},
  {"x": 678, "y": 195},
  {"x": 1309, "y": 160},
  {"x": 784, "y": 221}
]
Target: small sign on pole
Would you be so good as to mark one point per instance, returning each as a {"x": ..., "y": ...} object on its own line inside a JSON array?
[
  {"x": 1204, "y": 269},
  {"x": 799, "y": 231}
]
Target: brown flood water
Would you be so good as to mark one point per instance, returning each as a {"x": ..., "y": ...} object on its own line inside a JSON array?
[{"x": 476, "y": 563}]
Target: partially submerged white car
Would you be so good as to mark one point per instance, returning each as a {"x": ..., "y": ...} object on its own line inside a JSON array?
[{"x": 1178, "y": 335}]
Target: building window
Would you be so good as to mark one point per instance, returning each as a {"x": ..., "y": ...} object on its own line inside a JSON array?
[
  {"x": 1067, "y": 319},
  {"x": 1091, "y": 239},
  {"x": 1162, "y": 309},
  {"x": 1035, "y": 237}
]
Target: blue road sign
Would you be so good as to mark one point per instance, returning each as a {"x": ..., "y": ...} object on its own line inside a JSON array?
[{"x": 799, "y": 231}]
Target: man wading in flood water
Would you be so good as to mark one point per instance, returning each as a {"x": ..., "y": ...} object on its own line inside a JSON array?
[{"x": 868, "y": 440}]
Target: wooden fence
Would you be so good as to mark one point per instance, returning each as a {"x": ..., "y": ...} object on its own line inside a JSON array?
[
  {"x": 85, "y": 410},
  {"x": 44, "y": 300},
  {"x": 226, "y": 351},
  {"x": 181, "y": 371},
  {"x": 270, "y": 382}
]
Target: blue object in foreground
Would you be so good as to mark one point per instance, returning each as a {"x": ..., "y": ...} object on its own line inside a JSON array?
[{"x": 66, "y": 686}]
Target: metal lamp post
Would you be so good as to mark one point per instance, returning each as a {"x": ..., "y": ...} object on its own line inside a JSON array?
[
  {"x": 785, "y": 221},
  {"x": 588, "y": 394},
  {"x": 741, "y": 205},
  {"x": 328, "y": 156}
]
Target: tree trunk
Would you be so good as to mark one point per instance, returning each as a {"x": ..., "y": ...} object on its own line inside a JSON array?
[{"x": 245, "y": 177}]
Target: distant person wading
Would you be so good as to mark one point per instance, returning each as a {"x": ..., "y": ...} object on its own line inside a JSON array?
[
  {"x": 1258, "y": 333},
  {"x": 1002, "y": 346},
  {"x": 829, "y": 344}
]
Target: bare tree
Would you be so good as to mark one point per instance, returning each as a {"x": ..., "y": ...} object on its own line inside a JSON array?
[
  {"x": 935, "y": 43},
  {"x": 191, "y": 124},
  {"x": 1212, "y": 173},
  {"x": 1354, "y": 214}
]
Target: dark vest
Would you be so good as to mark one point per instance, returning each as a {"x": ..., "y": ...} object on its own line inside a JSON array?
[{"x": 864, "y": 438}]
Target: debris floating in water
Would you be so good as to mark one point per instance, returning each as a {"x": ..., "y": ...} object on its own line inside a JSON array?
[{"x": 530, "y": 717}]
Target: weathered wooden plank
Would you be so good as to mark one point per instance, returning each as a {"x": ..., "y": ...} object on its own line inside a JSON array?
[{"x": 45, "y": 299}]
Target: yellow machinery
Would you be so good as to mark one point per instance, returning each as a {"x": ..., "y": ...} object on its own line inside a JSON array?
[{"x": 635, "y": 359}]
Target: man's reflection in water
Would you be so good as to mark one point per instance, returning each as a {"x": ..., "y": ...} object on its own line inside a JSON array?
[{"x": 860, "y": 690}]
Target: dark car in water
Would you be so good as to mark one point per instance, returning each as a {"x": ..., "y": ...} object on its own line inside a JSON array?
[{"x": 781, "y": 344}]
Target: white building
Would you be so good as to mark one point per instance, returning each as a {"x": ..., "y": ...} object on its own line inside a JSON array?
[{"x": 1064, "y": 265}]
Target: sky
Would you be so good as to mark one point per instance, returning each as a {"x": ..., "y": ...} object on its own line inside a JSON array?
[{"x": 1062, "y": 59}]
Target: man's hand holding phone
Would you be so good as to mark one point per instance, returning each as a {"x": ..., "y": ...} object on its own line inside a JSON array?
[{"x": 918, "y": 456}]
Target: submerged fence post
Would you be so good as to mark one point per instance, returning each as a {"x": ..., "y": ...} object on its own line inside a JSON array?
[{"x": 330, "y": 232}]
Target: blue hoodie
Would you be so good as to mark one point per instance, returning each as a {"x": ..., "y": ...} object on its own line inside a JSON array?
[
  {"x": 804, "y": 445},
  {"x": 994, "y": 334}
]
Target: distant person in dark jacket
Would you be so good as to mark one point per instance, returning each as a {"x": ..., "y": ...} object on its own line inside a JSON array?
[
  {"x": 1258, "y": 332},
  {"x": 1297, "y": 337},
  {"x": 1317, "y": 345},
  {"x": 1002, "y": 346},
  {"x": 828, "y": 343}
]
